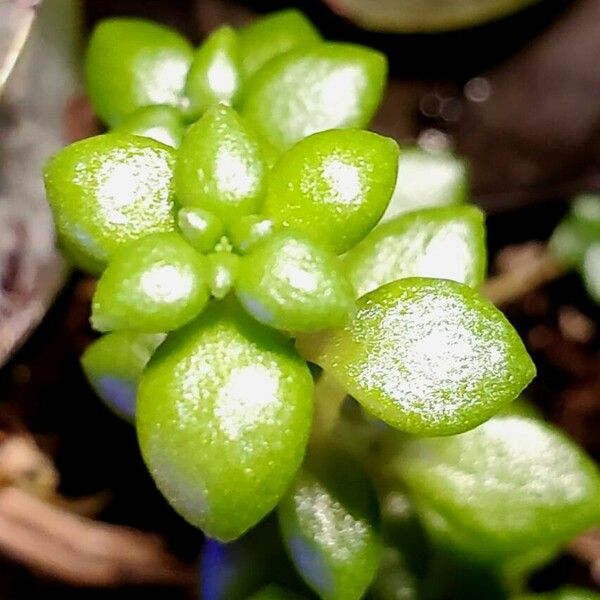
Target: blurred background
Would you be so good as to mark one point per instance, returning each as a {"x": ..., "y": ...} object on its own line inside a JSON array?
[{"x": 512, "y": 85}]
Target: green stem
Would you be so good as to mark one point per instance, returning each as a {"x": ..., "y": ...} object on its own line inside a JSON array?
[{"x": 329, "y": 397}]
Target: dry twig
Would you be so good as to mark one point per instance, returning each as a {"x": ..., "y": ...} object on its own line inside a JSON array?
[
  {"x": 523, "y": 268},
  {"x": 80, "y": 551},
  {"x": 46, "y": 532}
]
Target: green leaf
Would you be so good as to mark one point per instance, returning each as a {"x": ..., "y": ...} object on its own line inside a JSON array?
[
  {"x": 220, "y": 166},
  {"x": 428, "y": 179},
  {"x": 394, "y": 580},
  {"x": 224, "y": 413},
  {"x": 426, "y": 356},
  {"x": 508, "y": 487},
  {"x": 569, "y": 243},
  {"x": 132, "y": 63},
  {"x": 236, "y": 570},
  {"x": 272, "y": 35},
  {"x": 445, "y": 243},
  {"x": 113, "y": 365},
  {"x": 155, "y": 284},
  {"x": 577, "y": 232},
  {"x": 424, "y": 16},
  {"x": 223, "y": 268},
  {"x": 215, "y": 72},
  {"x": 246, "y": 232},
  {"x": 575, "y": 243},
  {"x": 333, "y": 186},
  {"x": 305, "y": 91},
  {"x": 586, "y": 211},
  {"x": 327, "y": 521},
  {"x": 290, "y": 283},
  {"x": 591, "y": 271},
  {"x": 160, "y": 123},
  {"x": 200, "y": 228},
  {"x": 108, "y": 190}
]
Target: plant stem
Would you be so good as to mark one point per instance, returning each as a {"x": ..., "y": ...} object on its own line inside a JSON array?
[{"x": 329, "y": 397}]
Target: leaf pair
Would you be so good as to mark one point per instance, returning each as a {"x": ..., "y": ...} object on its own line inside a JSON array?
[{"x": 328, "y": 526}]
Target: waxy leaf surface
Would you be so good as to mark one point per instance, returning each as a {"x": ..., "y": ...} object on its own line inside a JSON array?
[{"x": 427, "y": 356}]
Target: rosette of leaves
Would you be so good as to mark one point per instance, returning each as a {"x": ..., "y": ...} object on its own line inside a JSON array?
[{"x": 266, "y": 234}]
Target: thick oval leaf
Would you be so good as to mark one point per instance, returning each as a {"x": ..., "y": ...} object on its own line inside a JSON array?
[
  {"x": 132, "y": 63},
  {"x": 113, "y": 365},
  {"x": 586, "y": 211},
  {"x": 424, "y": 16},
  {"x": 290, "y": 283},
  {"x": 223, "y": 269},
  {"x": 327, "y": 521},
  {"x": 591, "y": 270},
  {"x": 155, "y": 284},
  {"x": 569, "y": 243},
  {"x": 394, "y": 580},
  {"x": 310, "y": 90},
  {"x": 426, "y": 356},
  {"x": 160, "y": 123},
  {"x": 513, "y": 485},
  {"x": 333, "y": 186},
  {"x": 224, "y": 413},
  {"x": 427, "y": 179},
  {"x": 444, "y": 243},
  {"x": 215, "y": 72},
  {"x": 236, "y": 570},
  {"x": 220, "y": 166},
  {"x": 248, "y": 231},
  {"x": 107, "y": 191},
  {"x": 272, "y": 35},
  {"x": 200, "y": 228}
]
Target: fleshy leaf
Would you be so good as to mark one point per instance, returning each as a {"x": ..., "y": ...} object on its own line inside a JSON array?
[
  {"x": 272, "y": 35},
  {"x": 155, "y": 284},
  {"x": 328, "y": 521},
  {"x": 513, "y": 484},
  {"x": 427, "y": 356},
  {"x": 427, "y": 179},
  {"x": 394, "y": 580},
  {"x": 200, "y": 228},
  {"x": 309, "y": 90},
  {"x": 591, "y": 271},
  {"x": 586, "y": 211},
  {"x": 107, "y": 191},
  {"x": 569, "y": 243},
  {"x": 223, "y": 268},
  {"x": 290, "y": 283},
  {"x": 160, "y": 123},
  {"x": 444, "y": 243},
  {"x": 333, "y": 186},
  {"x": 224, "y": 413},
  {"x": 113, "y": 365},
  {"x": 132, "y": 63},
  {"x": 236, "y": 570},
  {"x": 248, "y": 231},
  {"x": 220, "y": 166},
  {"x": 215, "y": 72}
]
